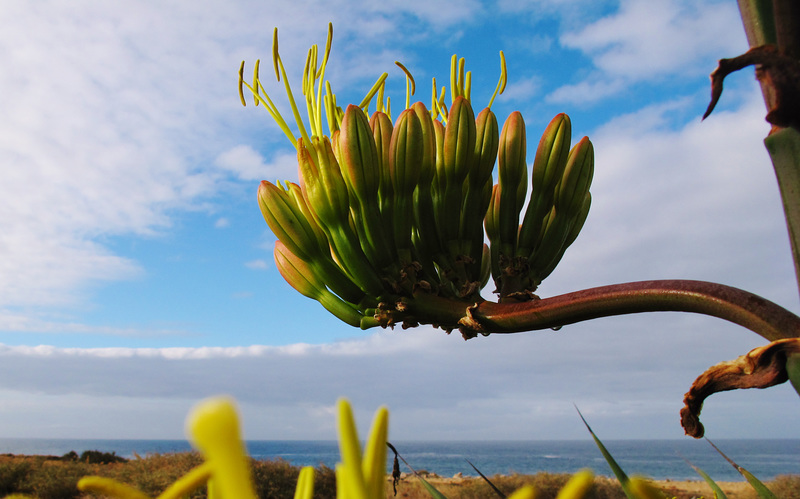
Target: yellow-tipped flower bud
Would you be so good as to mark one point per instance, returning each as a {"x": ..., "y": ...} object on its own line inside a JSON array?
[
  {"x": 322, "y": 182},
  {"x": 288, "y": 221},
  {"x": 303, "y": 277}
]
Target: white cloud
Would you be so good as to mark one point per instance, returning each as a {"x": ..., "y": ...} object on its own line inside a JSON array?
[
  {"x": 222, "y": 223},
  {"x": 648, "y": 40},
  {"x": 247, "y": 164},
  {"x": 591, "y": 90},
  {"x": 522, "y": 89},
  {"x": 429, "y": 380},
  {"x": 22, "y": 323},
  {"x": 257, "y": 265}
]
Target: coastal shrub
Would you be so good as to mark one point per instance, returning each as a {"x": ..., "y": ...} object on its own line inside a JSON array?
[
  {"x": 97, "y": 457},
  {"x": 13, "y": 474},
  {"x": 55, "y": 480},
  {"x": 786, "y": 486},
  {"x": 277, "y": 478},
  {"x": 155, "y": 472}
]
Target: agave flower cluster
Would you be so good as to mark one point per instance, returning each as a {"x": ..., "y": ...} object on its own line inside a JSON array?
[{"x": 388, "y": 217}]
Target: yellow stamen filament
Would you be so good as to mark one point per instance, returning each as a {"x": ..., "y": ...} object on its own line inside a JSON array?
[
  {"x": 434, "y": 112},
  {"x": 272, "y": 110},
  {"x": 461, "y": 63},
  {"x": 331, "y": 112},
  {"x": 441, "y": 107},
  {"x": 380, "y": 99},
  {"x": 255, "y": 78},
  {"x": 453, "y": 77},
  {"x": 365, "y": 102},
  {"x": 275, "y": 52},
  {"x": 321, "y": 76},
  {"x": 292, "y": 102}
]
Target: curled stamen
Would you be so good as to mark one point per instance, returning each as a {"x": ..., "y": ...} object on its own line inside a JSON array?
[
  {"x": 501, "y": 84},
  {"x": 241, "y": 83},
  {"x": 410, "y": 84}
]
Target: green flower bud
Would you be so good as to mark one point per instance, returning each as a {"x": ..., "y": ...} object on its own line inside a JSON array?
[
  {"x": 381, "y": 127},
  {"x": 358, "y": 156},
  {"x": 548, "y": 168},
  {"x": 405, "y": 156},
  {"x": 512, "y": 172},
  {"x": 577, "y": 179}
]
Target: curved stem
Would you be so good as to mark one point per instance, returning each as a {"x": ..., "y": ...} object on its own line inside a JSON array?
[{"x": 732, "y": 304}]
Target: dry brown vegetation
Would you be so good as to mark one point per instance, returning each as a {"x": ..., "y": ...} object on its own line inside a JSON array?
[{"x": 50, "y": 477}]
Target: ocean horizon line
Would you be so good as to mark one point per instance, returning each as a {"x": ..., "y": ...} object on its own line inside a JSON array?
[{"x": 658, "y": 458}]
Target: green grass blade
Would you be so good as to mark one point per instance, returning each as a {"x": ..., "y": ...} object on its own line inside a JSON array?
[
  {"x": 621, "y": 476},
  {"x": 718, "y": 493},
  {"x": 430, "y": 488},
  {"x": 496, "y": 490},
  {"x": 761, "y": 489}
]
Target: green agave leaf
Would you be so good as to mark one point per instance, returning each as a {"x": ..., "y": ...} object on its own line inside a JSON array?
[
  {"x": 718, "y": 493},
  {"x": 793, "y": 370},
  {"x": 621, "y": 476},
  {"x": 761, "y": 489},
  {"x": 430, "y": 488}
]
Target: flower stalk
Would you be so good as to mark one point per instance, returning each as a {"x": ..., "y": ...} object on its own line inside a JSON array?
[{"x": 399, "y": 206}]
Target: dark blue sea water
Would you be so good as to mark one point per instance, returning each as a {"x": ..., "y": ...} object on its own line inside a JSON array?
[{"x": 657, "y": 459}]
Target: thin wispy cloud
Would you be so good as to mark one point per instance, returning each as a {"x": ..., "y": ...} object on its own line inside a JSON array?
[{"x": 650, "y": 41}]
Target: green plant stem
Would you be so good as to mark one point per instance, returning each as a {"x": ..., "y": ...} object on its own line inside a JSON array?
[
  {"x": 784, "y": 150},
  {"x": 777, "y": 22},
  {"x": 761, "y": 316}
]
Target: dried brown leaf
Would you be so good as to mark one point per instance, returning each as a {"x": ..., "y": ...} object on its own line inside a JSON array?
[{"x": 762, "y": 367}]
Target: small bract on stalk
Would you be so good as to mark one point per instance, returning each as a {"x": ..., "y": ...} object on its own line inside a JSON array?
[{"x": 389, "y": 217}]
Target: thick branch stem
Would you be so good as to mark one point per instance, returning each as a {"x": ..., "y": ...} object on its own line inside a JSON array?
[{"x": 735, "y": 305}]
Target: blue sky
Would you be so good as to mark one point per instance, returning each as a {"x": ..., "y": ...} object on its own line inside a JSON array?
[{"x": 138, "y": 274}]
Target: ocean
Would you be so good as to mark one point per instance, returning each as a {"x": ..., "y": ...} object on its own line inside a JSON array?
[{"x": 657, "y": 459}]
